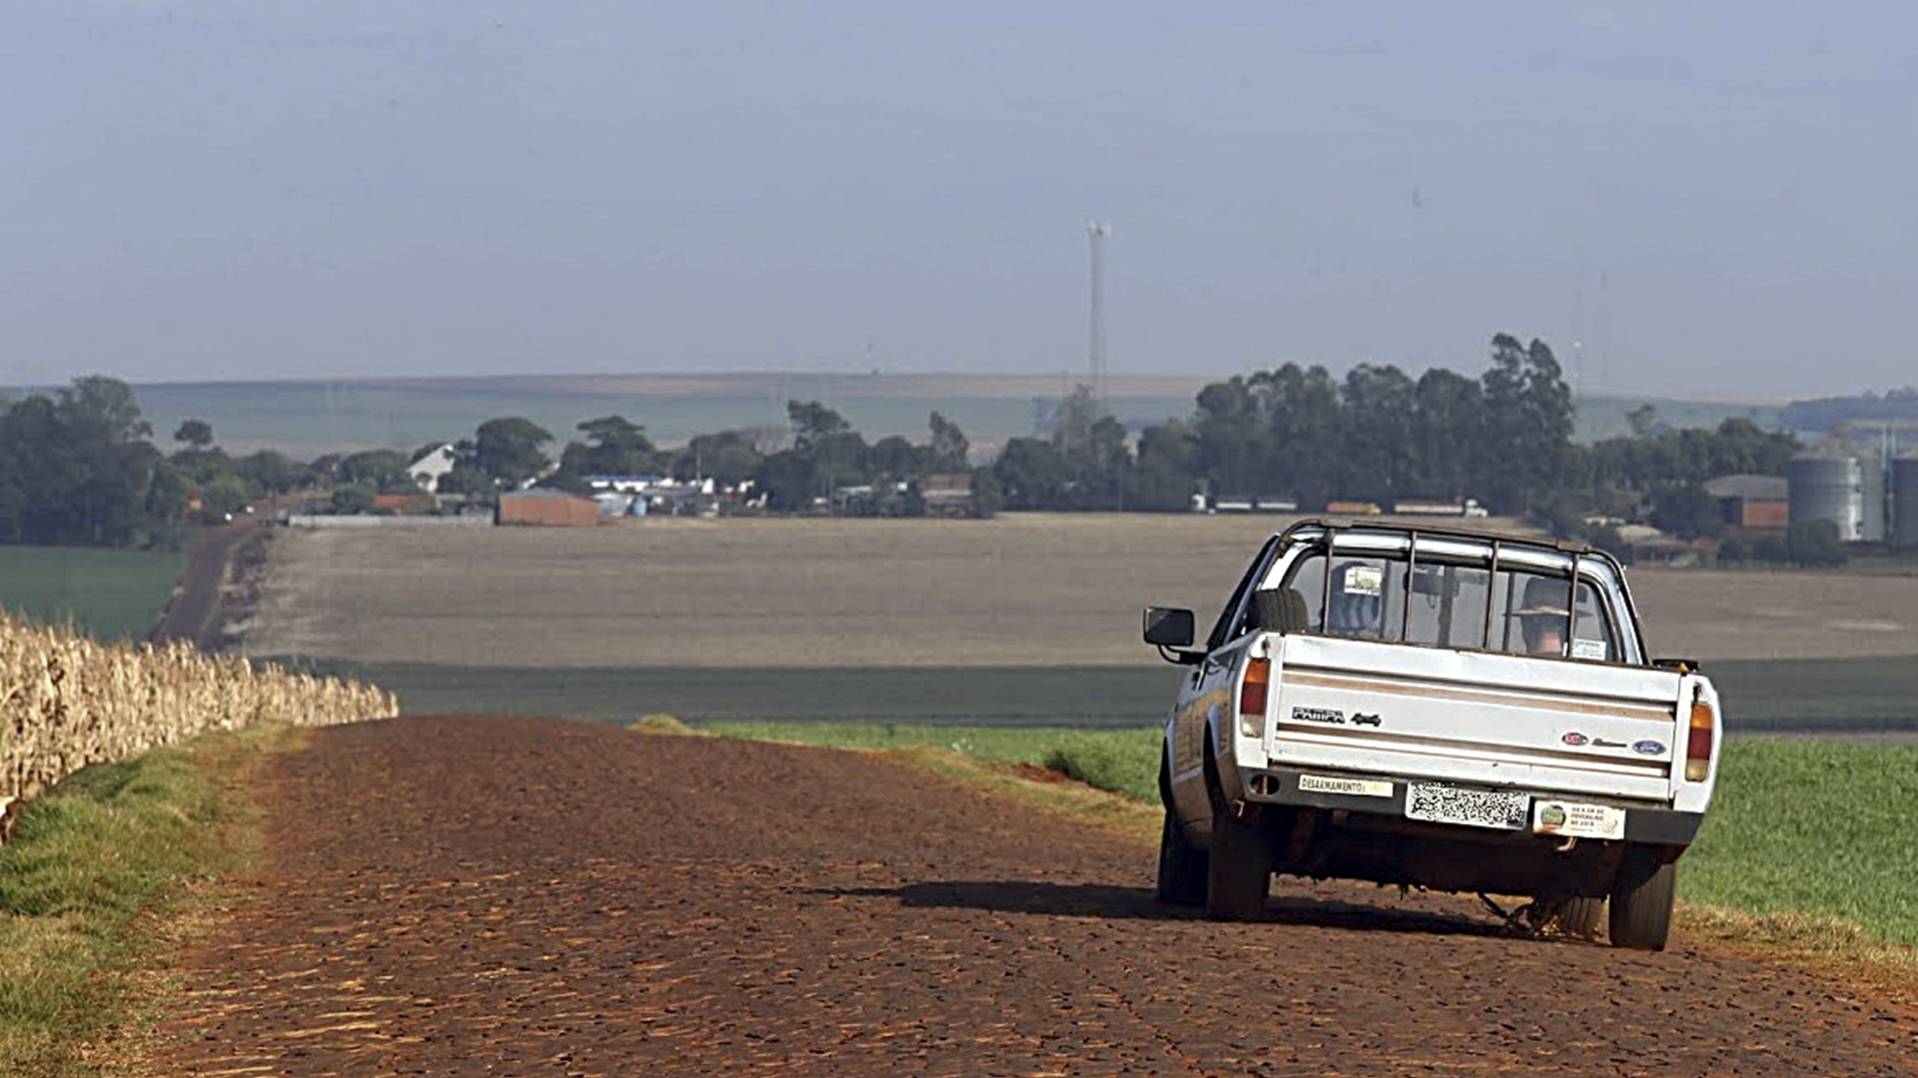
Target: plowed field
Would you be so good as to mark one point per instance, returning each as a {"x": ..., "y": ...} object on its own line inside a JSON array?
[{"x": 498, "y": 895}]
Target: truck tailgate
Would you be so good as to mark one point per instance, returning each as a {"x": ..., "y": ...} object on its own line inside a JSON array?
[{"x": 1474, "y": 717}]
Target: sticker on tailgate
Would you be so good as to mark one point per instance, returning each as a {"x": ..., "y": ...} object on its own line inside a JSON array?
[
  {"x": 1435, "y": 803},
  {"x": 1578, "y": 820},
  {"x": 1327, "y": 784}
]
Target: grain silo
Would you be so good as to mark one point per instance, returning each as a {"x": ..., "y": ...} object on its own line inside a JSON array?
[
  {"x": 1904, "y": 500},
  {"x": 1872, "y": 526},
  {"x": 1830, "y": 485}
]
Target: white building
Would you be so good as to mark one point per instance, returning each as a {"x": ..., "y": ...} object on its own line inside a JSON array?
[{"x": 430, "y": 466}]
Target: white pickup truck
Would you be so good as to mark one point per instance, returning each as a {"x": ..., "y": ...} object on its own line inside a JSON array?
[{"x": 1438, "y": 708}]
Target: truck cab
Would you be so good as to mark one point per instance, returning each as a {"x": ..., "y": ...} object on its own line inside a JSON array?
[{"x": 1444, "y": 708}]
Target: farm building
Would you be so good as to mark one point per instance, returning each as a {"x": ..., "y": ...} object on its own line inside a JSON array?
[
  {"x": 406, "y": 503},
  {"x": 548, "y": 508},
  {"x": 429, "y": 466},
  {"x": 1752, "y": 501},
  {"x": 949, "y": 495}
]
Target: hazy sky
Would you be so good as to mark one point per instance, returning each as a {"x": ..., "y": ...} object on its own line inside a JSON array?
[{"x": 1714, "y": 200}]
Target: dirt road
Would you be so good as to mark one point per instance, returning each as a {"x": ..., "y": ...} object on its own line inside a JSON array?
[
  {"x": 189, "y": 616},
  {"x": 466, "y": 895}
]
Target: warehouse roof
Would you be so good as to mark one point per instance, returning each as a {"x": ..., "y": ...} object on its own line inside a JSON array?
[
  {"x": 541, "y": 492},
  {"x": 1752, "y": 488}
]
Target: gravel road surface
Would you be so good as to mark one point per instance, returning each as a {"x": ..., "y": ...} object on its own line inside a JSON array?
[{"x": 517, "y": 896}]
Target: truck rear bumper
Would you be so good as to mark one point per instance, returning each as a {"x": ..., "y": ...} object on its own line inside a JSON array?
[{"x": 1647, "y": 823}]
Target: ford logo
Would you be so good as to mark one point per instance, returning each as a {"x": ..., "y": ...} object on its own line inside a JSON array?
[
  {"x": 1649, "y": 748},
  {"x": 1575, "y": 739}
]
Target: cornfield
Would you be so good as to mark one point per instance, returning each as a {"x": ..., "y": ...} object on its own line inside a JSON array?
[{"x": 67, "y": 701}]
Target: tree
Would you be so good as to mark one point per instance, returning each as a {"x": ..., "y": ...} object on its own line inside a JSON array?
[
  {"x": 1305, "y": 418},
  {"x": 837, "y": 460},
  {"x": 381, "y": 469},
  {"x": 949, "y": 447},
  {"x": 270, "y": 472},
  {"x": 614, "y": 446},
  {"x": 895, "y": 457},
  {"x": 1072, "y": 422},
  {"x": 1643, "y": 420},
  {"x": 194, "y": 433},
  {"x": 1032, "y": 474},
  {"x": 467, "y": 481},
  {"x": 729, "y": 458},
  {"x": 1448, "y": 428},
  {"x": 1686, "y": 511},
  {"x": 75, "y": 468},
  {"x": 354, "y": 498},
  {"x": 508, "y": 450},
  {"x": 813, "y": 422},
  {"x": 103, "y": 408},
  {"x": 1814, "y": 543},
  {"x": 787, "y": 479},
  {"x": 1164, "y": 477},
  {"x": 1528, "y": 419},
  {"x": 1378, "y": 433}
]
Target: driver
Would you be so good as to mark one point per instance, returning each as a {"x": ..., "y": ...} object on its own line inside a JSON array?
[{"x": 1543, "y": 617}]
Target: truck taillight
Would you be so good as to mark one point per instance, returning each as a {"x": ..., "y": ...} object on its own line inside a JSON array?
[
  {"x": 1258, "y": 677},
  {"x": 1698, "y": 747}
]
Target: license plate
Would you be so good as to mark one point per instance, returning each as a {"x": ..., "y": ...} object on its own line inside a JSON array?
[{"x": 1435, "y": 803}]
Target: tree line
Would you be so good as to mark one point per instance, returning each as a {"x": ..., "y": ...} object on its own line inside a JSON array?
[
  {"x": 78, "y": 466},
  {"x": 1379, "y": 435}
]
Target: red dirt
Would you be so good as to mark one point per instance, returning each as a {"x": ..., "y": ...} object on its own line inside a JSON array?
[
  {"x": 189, "y": 616},
  {"x": 466, "y": 895}
]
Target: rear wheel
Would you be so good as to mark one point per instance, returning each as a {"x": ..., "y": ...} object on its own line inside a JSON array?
[
  {"x": 1581, "y": 916},
  {"x": 1182, "y": 866},
  {"x": 1642, "y": 901},
  {"x": 1238, "y": 870}
]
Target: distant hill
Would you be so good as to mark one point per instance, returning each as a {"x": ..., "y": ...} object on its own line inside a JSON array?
[
  {"x": 1604, "y": 415},
  {"x": 1826, "y": 413}
]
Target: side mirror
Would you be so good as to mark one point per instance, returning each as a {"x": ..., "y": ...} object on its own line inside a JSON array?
[{"x": 1168, "y": 627}]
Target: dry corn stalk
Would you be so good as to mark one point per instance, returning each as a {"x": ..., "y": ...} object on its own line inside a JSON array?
[{"x": 67, "y": 701}]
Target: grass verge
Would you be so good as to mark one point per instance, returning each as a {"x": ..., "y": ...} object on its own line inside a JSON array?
[
  {"x": 1122, "y": 761},
  {"x": 1805, "y": 856},
  {"x": 95, "y": 873}
]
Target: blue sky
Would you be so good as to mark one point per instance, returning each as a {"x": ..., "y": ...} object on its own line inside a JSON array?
[{"x": 1711, "y": 199}]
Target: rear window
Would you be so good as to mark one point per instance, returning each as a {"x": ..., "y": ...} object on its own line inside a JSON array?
[{"x": 1448, "y": 605}]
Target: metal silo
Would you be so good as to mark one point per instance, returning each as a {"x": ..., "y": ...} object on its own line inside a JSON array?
[
  {"x": 1828, "y": 486},
  {"x": 1904, "y": 500},
  {"x": 1872, "y": 526}
]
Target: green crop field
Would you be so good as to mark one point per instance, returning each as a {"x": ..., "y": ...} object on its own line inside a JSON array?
[
  {"x": 1812, "y": 827},
  {"x": 1797, "y": 826},
  {"x": 112, "y": 594}
]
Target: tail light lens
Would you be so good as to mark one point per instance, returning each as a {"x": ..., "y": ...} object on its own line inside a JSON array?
[
  {"x": 1252, "y": 696},
  {"x": 1698, "y": 747}
]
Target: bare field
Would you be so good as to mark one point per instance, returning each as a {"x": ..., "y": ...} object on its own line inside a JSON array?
[{"x": 1025, "y": 589}]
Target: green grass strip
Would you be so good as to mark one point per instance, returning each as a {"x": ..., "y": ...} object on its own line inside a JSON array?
[
  {"x": 90, "y": 872},
  {"x": 1123, "y": 761},
  {"x": 1805, "y": 826}
]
